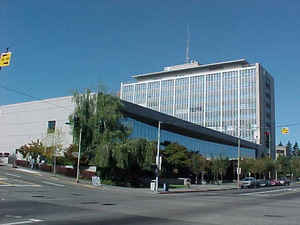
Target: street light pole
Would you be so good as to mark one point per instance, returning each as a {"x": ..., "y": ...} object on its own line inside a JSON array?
[
  {"x": 78, "y": 158},
  {"x": 238, "y": 166},
  {"x": 157, "y": 157}
]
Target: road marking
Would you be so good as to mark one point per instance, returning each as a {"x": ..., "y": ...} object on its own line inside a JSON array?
[
  {"x": 23, "y": 222},
  {"x": 13, "y": 175},
  {"x": 28, "y": 171},
  {"x": 58, "y": 185},
  {"x": 19, "y": 185},
  {"x": 266, "y": 192}
]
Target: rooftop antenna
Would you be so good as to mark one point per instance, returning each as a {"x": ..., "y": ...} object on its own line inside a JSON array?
[{"x": 187, "y": 56}]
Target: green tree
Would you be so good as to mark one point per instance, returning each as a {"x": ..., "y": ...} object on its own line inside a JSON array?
[
  {"x": 100, "y": 122},
  {"x": 289, "y": 148},
  {"x": 283, "y": 165},
  {"x": 295, "y": 165},
  {"x": 296, "y": 150},
  {"x": 247, "y": 166},
  {"x": 176, "y": 160},
  {"x": 198, "y": 165},
  {"x": 219, "y": 167},
  {"x": 32, "y": 150}
]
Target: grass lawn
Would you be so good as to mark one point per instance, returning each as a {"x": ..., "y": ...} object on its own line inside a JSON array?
[{"x": 176, "y": 186}]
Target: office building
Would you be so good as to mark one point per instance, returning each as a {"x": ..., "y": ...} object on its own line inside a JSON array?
[
  {"x": 25, "y": 122},
  {"x": 233, "y": 97}
]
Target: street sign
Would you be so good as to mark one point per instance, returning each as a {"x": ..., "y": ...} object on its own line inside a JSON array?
[
  {"x": 285, "y": 130},
  {"x": 5, "y": 59},
  {"x": 238, "y": 170}
]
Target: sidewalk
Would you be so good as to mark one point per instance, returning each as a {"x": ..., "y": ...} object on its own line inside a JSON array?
[
  {"x": 88, "y": 183},
  {"x": 202, "y": 188}
]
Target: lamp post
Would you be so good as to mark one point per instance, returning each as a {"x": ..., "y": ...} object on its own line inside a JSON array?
[
  {"x": 157, "y": 157},
  {"x": 238, "y": 166},
  {"x": 76, "y": 124},
  {"x": 78, "y": 158}
]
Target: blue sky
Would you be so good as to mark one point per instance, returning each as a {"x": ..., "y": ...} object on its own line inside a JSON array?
[{"x": 59, "y": 46}]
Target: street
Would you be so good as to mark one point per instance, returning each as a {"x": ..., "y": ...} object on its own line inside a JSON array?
[{"x": 29, "y": 197}]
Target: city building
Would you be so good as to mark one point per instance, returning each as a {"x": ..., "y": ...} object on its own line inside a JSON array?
[
  {"x": 281, "y": 151},
  {"x": 233, "y": 97},
  {"x": 25, "y": 122}
]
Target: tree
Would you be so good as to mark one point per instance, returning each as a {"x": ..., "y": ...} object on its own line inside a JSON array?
[
  {"x": 219, "y": 167},
  {"x": 296, "y": 150},
  {"x": 103, "y": 134},
  {"x": 247, "y": 166},
  {"x": 176, "y": 160},
  {"x": 198, "y": 164},
  {"x": 295, "y": 164},
  {"x": 32, "y": 150},
  {"x": 283, "y": 165},
  {"x": 288, "y": 148},
  {"x": 53, "y": 145}
]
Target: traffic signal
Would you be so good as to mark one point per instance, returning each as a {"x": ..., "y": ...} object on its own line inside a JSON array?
[{"x": 5, "y": 59}]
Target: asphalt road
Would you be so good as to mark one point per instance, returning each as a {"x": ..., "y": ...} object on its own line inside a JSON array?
[{"x": 27, "y": 198}]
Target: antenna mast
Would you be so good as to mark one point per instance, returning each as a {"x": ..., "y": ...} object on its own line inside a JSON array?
[{"x": 187, "y": 55}]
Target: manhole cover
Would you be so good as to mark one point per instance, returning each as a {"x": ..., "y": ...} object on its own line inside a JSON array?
[
  {"x": 278, "y": 216},
  {"x": 108, "y": 204},
  {"x": 38, "y": 196},
  {"x": 86, "y": 203}
]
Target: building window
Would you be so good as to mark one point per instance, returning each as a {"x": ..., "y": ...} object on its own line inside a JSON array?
[{"x": 51, "y": 126}]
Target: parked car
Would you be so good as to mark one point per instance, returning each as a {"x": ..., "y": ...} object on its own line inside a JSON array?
[
  {"x": 263, "y": 183},
  {"x": 274, "y": 182},
  {"x": 248, "y": 182},
  {"x": 284, "y": 181}
]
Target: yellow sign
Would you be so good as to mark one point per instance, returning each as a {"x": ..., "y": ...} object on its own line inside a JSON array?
[
  {"x": 285, "y": 130},
  {"x": 5, "y": 59}
]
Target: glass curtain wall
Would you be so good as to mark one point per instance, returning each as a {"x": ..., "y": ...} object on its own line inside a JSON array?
[{"x": 206, "y": 148}]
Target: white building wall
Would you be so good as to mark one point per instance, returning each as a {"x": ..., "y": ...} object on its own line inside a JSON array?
[{"x": 23, "y": 122}]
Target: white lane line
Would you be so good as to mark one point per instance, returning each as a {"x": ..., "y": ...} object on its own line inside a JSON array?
[
  {"x": 23, "y": 222},
  {"x": 13, "y": 175},
  {"x": 27, "y": 171},
  {"x": 266, "y": 192},
  {"x": 58, "y": 185},
  {"x": 19, "y": 185}
]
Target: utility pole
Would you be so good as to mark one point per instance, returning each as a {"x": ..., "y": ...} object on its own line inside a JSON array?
[{"x": 78, "y": 160}]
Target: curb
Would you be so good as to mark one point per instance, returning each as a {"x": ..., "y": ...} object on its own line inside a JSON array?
[{"x": 195, "y": 191}]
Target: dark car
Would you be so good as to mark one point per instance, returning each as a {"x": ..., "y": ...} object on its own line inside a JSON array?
[
  {"x": 263, "y": 183},
  {"x": 284, "y": 181},
  {"x": 248, "y": 182}
]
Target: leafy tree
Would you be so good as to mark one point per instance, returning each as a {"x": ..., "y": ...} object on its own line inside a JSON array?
[
  {"x": 32, "y": 150},
  {"x": 296, "y": 150},
  {"x": 176, "y": 160},
  {"x": 219, "y": 166},
  {"x": 102, "y": 132},
  {"x": 247, "y": 166},
  {"x": 53, "y": 145},
  {"x": 283, "y": 165},
  {"x": 289, "y": 148},
  {"x": 295, "y": 164},
  {"x": 198, "y": 164}
]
